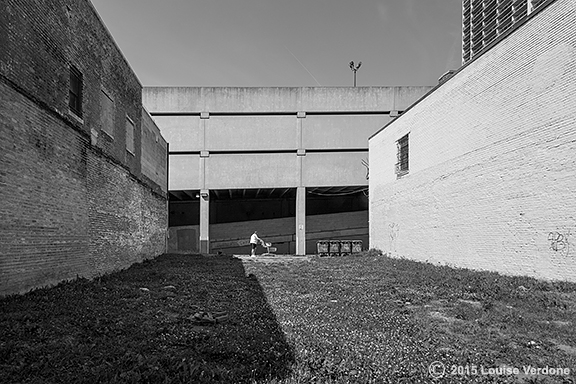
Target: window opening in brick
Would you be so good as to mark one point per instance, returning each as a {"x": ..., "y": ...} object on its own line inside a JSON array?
[
  {"x": 130, "y": 135},
  {"x": 402, "y": 164},
  {"x": 107, "y": 116},
  {"x": 75, "y": 93}
]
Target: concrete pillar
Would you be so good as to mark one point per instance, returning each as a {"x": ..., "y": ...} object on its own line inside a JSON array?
[
  {"x": 301, "y": 221},
  {"x": 300, "y": 190},
  {"x": 204, "y": 192},
  {"x": 204, "y": 221}
]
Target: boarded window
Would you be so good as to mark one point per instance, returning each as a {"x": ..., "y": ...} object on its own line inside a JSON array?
[
  {"x": 107, "y": 116},
  {"x": 75, "y": 91},
  {"x": 402, "y": 164},
  {"x": 130, "y": 135}
]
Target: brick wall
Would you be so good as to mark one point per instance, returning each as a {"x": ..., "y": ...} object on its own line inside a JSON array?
[
  {"x": 44, "y": 233},
  {"x": 127, "y": 220},
  {"x": 40, "y": 40},
  {"x": 491, "y": 181},
  {"x": 68, "y": 210},
  {"x": 75, "y": 202}
]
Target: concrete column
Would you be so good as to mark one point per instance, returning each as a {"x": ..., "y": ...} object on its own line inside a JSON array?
[
  {"x": 204, "y": 192},
  {"x": 204, "y": 221},
  {"x": 300, "y": 190},
  {"x": 301, "y": 221}
]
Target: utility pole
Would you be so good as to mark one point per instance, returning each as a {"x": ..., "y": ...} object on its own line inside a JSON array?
[{"x": 355, "y": 69}]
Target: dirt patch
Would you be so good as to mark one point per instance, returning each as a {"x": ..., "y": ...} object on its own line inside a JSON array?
[
  {"x": 565, "y": 348},
  {"x": 441, "y": 316},
  {"x": 473, "y": 303}
]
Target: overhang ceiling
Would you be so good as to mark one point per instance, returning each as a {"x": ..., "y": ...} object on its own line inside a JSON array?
[{"x": 265, "y": 193}]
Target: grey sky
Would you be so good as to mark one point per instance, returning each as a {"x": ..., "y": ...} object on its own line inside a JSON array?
[{"x": 286, "y": 42}]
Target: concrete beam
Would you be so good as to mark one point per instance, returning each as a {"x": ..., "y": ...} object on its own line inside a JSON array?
[{"x": 189, "y": 194}]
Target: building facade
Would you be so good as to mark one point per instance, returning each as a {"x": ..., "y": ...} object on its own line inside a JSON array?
[
  {"x": 481, "y": 172},
  {"x": 83, "y": 167},
  {"x": 483, "y": 21},
  {"x": 244, "y": 159}
]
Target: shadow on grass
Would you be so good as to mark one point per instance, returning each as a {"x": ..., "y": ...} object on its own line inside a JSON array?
[{"x": 138, "y": 325}]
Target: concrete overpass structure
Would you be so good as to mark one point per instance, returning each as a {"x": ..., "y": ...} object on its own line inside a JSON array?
[{"x": 271, "y": 144}]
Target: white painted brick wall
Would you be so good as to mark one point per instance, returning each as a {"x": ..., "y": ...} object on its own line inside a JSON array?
[{"x": 492, "y": 182}]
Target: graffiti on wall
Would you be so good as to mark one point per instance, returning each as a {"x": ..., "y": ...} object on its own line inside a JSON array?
[{"x": 559, "y": 242}]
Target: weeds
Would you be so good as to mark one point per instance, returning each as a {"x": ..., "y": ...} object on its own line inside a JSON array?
[{"x": 356, "y": 319}]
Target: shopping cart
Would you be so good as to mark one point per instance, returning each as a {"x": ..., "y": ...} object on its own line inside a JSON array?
[{"x": 269, "y": 249}]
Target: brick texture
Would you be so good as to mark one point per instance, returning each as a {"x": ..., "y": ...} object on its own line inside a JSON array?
[
  {"x": 492, "y": 165},
  {"x": 40, "y": 41},
  {"x": 74, "y": 202}
]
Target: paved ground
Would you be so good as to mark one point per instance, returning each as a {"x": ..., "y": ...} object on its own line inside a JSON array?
[{"x": 272, "y": 258}]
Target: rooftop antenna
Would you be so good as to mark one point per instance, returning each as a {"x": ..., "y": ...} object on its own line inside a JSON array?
[{"x": 355, "y": 69}]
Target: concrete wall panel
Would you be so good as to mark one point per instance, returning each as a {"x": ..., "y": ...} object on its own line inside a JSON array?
[
  {"x": 184, "y": 173},
  {"x": 227, "y": 99},
  {"x": 404, "y": 97},
  {"x": 172, "y": 99},
  {"x": 266, "y": 119},
  {"x": 251, "y": 171},
  {"x": 334, "y": 169},
  {"x": 250, "y": 99},
  {"x": 347, "y": 98},
  {"x": 182, "y": 132},
  {"x": 251, "y": 132},
  {"x": 340, "y": 131},
  {"x": 279, "y": 99}
]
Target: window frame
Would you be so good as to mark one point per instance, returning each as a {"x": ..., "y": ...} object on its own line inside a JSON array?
[
  {"x": 111, "y": 132},
  {"x": 75, "y": 90},
  {"x": 403, "y": 156}
]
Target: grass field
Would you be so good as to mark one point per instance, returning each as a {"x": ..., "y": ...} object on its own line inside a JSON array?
[{"x": 356, "y": 319}]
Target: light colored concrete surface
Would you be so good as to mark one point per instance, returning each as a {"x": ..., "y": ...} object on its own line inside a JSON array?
[
  {"x": 279, "y": 99},
  {"x": 273, "y": 259}
]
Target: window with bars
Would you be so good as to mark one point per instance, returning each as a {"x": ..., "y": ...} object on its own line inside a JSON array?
[
  {"x": 75, "y": 91},
  {"x": 402, "y": 166}
]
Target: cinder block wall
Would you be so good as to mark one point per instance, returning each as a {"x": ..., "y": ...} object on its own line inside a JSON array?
[
  {"x": 492, "y": 175},
  {"x": 73, "y": 201}
]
